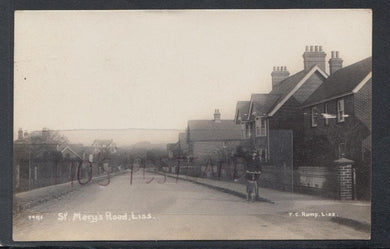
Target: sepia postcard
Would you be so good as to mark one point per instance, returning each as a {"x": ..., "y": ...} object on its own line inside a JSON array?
[{"x": 139, "y": 125}]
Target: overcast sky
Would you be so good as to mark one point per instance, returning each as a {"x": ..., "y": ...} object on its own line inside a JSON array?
[{"x": 159, "y": 69}]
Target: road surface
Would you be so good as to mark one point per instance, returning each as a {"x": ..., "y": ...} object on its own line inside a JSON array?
[{"x": 167, "y": 210}]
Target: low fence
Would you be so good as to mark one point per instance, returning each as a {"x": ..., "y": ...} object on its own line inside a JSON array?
[
  {"x": 37, "y": 173},
  {"x": 229, "y": 170},
  {"x": 322, "y": 181}
]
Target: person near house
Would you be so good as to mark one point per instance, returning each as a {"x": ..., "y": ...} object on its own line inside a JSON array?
[{"x": 253, "y": 174}]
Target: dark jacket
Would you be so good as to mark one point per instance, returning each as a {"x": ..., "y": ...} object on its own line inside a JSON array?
[{"x": 253, "y": 166}]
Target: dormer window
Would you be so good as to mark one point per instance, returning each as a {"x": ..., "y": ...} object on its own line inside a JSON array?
[{"x": 340, "y": 110}]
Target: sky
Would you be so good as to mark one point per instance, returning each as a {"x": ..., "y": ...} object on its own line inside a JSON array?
[{"x": 154, "y": 70}]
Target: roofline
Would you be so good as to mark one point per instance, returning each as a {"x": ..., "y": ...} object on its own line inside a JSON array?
[
  {"x": 355, "y": 90},
  {"x": 238, "y": 110},
  {"x": 236, "y": 114},
  {"x": 328, "y": 99},
  {"x": 363, "y": 82},
  {"x": 300, "y": 83}
]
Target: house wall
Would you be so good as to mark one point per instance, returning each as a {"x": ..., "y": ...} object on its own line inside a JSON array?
[
  {"x": 289, "y": 117},
  {"x": 363, "y": 104},
  {"x": 204, "y": 149},
  {"x": 351, "y": 132},
  {"x": 281, "y": 148},
  {"x": 322, "y": 143}
]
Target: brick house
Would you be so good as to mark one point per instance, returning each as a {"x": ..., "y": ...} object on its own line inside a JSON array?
[
  {"x": 205, "y": 138},
  {"x": 273, "y": 122},
  {"x": 337, "y": 120}
]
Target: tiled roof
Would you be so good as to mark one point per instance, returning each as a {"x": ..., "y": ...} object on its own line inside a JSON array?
[
  {"x": 288, "y": 84},
  {"x": 262, "y": 103},
  {"x": 243, "y": 110},
  {"x": 343, "y": 81},
  {"x": 209, "y": 130}
]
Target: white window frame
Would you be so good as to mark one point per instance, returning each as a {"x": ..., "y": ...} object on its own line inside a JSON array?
[
  {"x": 248, "y": 129},
  {"x": 261, "y": 127},
  {"x": 326, "y": 120},
  {"x": 340, "y": 111},
  {"x": 313, "y": 117},
  {"x": 257, "y": 126}
]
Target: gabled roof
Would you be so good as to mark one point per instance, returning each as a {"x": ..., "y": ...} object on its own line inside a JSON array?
[
  {"x": 242, "y": 111},
  {"x": 344, "y": 81},
  {"x": 210, "y": 130},
  {"x": 290, "y": 85},
  {"x": 262, "y": 103}
]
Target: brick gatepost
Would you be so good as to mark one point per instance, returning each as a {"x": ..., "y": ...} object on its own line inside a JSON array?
[{"x": 345, "y": 178}]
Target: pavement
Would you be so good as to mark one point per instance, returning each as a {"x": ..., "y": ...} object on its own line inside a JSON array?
[{"x": 355, "y": 214}]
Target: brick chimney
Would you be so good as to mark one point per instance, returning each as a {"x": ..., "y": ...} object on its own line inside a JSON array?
[
  {"x": 314, "y": 55},
  {"x": 279, "y": 74},
  {"x": 217, "y": 116},
  {"x": 335, "y": 63}
]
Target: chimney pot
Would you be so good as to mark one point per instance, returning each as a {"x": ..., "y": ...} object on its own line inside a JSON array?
[
  {"x": 279, "y": 75},
  {"x": 335, "y": 63},
  {"x": 315, "y": 56},
  {"x": 307, "y": 49}
]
